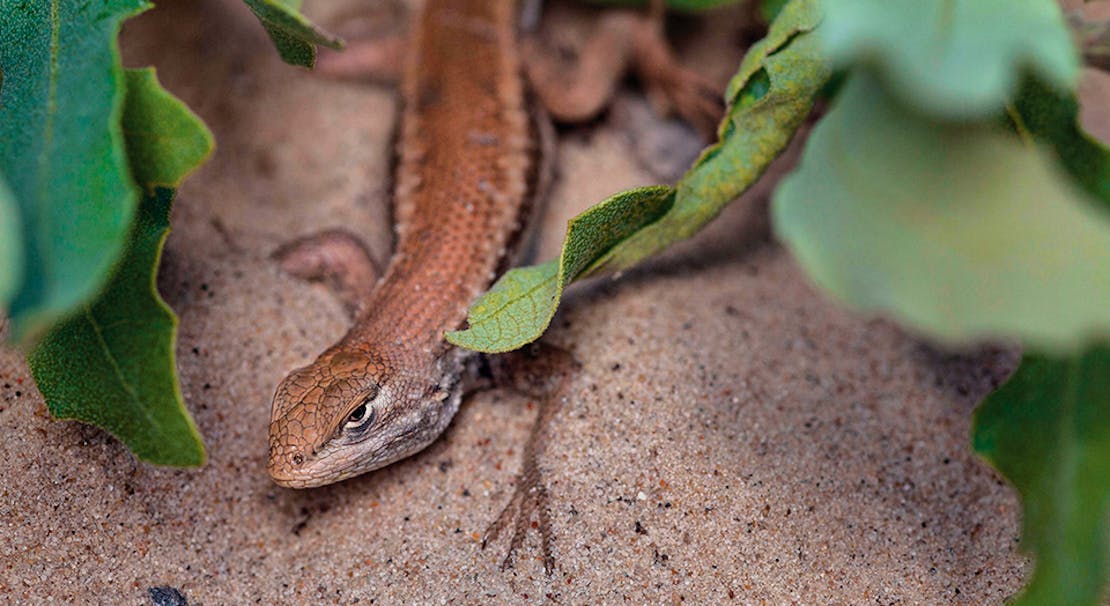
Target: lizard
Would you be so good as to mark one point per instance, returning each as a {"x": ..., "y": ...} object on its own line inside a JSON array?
[{"x": 469, "y": 171}]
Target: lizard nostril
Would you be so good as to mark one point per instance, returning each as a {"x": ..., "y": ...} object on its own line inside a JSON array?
[{"x": 298, "y": 459}]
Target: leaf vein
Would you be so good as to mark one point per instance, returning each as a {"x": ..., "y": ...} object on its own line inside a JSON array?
[{"x": 116, "y": 370}]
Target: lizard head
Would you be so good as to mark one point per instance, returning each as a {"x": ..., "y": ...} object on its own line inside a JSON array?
[{"x": 350, "y": 412}]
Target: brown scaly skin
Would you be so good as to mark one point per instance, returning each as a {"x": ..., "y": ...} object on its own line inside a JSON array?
[{"x": 462, "y": 194}]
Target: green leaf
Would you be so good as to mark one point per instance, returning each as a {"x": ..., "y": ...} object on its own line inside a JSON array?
[
  {"x": 959, "y": 231},
  {"x": 112, "y": 364},
  {"x": 1048, "y": 431},
  {"x": 1053, "y": 118},
  {"x": 11, "y": 244},
  {"x": 953, "y": 59},
  {"x": 61, "y": 150},
  {"x": 769, "y": 97},
  {"x": 295, "y": 37},
  {"x": 521, "y": 304},
  {"x": 165, "y": 140}
]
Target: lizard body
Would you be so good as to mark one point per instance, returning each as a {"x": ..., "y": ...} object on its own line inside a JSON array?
[{"x": 466, "y": 172}]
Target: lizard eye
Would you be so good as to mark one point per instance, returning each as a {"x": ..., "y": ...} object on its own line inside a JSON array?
[{"x": 360, "y": 417}]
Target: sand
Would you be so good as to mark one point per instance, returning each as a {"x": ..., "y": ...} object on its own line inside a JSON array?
[{"x": 733, "y": 436}]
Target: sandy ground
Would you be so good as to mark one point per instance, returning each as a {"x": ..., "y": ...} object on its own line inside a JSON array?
[{"x": 733, "y": 436}]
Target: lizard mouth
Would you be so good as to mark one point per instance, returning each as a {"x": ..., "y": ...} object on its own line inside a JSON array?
[
  {"x": 290, "y": 482},
  {"x": 284, "y": 474},
  {"x": 303, "y": 479},
  {"x": 292, "y": 468}
]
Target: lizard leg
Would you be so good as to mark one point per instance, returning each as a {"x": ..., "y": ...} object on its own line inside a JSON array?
[
  {"x": 336, "y": 258},
  {"x": 376, "y": 46},
  {"x": 544, "y": 377},
  {"x": 671, "y": 86},
  {"x": 578, "y": 91}
]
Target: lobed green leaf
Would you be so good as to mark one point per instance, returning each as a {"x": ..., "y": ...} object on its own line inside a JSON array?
[
  {"x": 295, "y": 37},
  {"x": 61, "y": 150},
  {"x": 953, "y": 59},
  {"x": 769, "y": 97},
  {"x": 1048, "y": 431},
  {"x": 958, "y": 231},
  {"x": 165, "y": 140},
  {"x": 112, "y": 364}
]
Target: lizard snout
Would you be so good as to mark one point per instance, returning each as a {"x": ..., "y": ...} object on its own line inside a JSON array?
[{"x": 286, "y": 464}]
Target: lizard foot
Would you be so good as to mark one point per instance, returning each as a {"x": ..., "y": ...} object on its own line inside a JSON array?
[
  {"x": 335, "y": 257},
  {"x": 528, "y": 508},
  {"x": 671, "y": 86},
  {"x": 576, "y": 91},
  {"x": 544, "y": 377}
]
